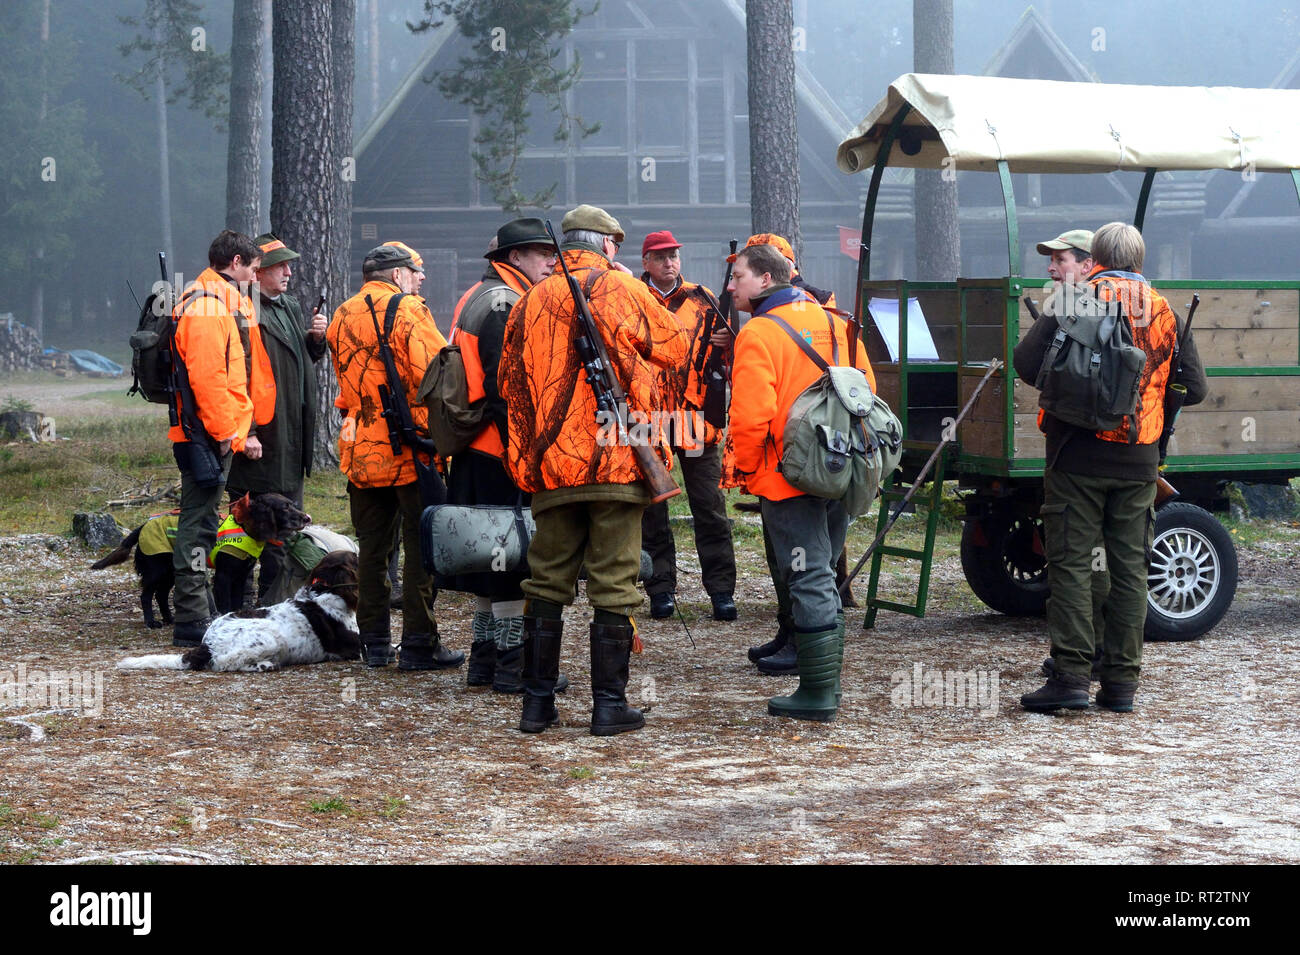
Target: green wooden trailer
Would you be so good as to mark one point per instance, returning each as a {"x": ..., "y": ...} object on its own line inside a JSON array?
[{"x": 1247, "y": 333}]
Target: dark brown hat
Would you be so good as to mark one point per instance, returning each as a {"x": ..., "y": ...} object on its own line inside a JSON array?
[{"x": 518, "y": 232}]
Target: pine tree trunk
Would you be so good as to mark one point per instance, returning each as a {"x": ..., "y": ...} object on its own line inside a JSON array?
[
  {"x": 312, "y": 169},
  {"x": 938, "y": 234},
  {"x": 773, "y": 130},
  {"x": 37, "y": 318},
  {"x": 244, "y": 152},
  {"x": 304, "y": 203},
  {"x": 343, "y": 47}
]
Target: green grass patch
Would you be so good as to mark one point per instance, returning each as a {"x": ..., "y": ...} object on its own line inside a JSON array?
[
  {"x": 42, "y": 485},
  {"x": 581, "y": 772},
  {"x": 332, "y": 805}
]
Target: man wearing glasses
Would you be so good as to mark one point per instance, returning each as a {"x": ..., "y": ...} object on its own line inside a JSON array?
[
  {"x": 520, "y": 256},
  {"x": 693, "y": 440}
]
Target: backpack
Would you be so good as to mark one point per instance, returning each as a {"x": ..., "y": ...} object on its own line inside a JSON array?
[
  {"x": 841, "y": 440},
  {"x": 151, "y": 346},
  {"x": 303, "y": 551},
  {"x": 454, "y": 421},
  {"x": 151, "y": 349},
  {"x": 1092, "y": 372}
]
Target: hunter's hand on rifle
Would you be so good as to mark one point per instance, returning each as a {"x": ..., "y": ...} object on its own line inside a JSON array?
[{"x": 721, "y": 338}]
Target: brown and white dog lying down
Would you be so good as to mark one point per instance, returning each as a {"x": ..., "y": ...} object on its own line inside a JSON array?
[
  {"x": 318, "y": 623},
  {"x": 267, "y": 518}
]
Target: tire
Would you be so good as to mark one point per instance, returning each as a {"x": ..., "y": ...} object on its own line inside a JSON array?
[
  {"x": 1002, "y": 565},
  {"x": 1192, "y": 577}
]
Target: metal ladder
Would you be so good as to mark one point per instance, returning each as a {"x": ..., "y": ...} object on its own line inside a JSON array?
[{"x": 892, "y": 495}]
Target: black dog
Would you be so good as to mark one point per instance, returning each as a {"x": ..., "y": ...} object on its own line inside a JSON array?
[{"x": 267, "y": 519}]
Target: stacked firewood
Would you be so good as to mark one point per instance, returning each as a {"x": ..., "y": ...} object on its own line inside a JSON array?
[{"x": 20, "y": 347}]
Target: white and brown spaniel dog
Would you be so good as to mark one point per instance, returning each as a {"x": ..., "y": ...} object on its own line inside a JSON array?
[{"x": 318, "y": 623}]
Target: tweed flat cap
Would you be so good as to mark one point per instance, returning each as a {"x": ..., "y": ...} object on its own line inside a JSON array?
[{"x": 594, "y": 219}]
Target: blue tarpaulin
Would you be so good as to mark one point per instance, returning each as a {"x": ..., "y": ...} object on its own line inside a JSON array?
[{"x": 90, "y": 363}]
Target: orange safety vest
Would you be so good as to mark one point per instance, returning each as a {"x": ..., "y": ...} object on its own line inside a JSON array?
[
  {"x": 683, "y": 387},
  {"x": 472, "y": 312}
]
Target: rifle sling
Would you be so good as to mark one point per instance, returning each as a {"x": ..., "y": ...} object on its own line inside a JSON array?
[{"x": 396, "y": 388}]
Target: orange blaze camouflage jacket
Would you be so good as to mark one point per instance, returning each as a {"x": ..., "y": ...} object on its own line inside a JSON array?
[{"x": 555, "y": 439}]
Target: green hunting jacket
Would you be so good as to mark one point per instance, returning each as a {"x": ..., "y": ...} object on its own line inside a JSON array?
[{"x": 287, "y": 439}]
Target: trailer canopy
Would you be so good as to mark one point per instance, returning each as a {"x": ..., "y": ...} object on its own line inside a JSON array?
[{"x": 973, "y": 122}]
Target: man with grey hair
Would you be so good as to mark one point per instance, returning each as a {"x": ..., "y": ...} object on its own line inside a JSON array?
[
  {"x": 1099, "y": 489},
  {"x": 588, "y": 490}
]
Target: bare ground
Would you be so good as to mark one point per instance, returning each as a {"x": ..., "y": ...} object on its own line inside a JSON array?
[{"x": 337, "y": 763}]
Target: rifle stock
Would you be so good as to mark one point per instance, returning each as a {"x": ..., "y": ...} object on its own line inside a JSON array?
[{"x": 607, "y": 389}]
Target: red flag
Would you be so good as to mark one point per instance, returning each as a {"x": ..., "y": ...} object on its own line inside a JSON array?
[{"x": 850, "y": 242}]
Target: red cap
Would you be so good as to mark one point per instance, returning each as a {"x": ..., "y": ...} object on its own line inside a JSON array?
[{"x": 656, "y": 241}]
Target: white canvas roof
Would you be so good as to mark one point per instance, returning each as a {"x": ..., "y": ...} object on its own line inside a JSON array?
[{"x": 1052, "y": 126}]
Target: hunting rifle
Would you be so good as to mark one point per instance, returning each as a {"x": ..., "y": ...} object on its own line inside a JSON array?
[
  {"x": 1175, "y": 393},
  {"x": 708, "y": 360},
  {"x": 397, "y": 413},
  {"x": 606, "y": 387}
]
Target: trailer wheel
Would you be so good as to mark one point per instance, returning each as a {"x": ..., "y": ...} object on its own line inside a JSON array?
[
  {"x": 1192, "y": 577},
  {"x": 1003, "y": 565}
]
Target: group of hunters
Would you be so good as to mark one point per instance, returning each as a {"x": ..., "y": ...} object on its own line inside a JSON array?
[{"x": 542, "y": 444}]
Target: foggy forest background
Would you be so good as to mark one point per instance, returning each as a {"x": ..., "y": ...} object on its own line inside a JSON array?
[{"x": 100, "y": 227}]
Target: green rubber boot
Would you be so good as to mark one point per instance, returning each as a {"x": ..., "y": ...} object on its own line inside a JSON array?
[
  {"x": 839, "y": 622},
  {"x": 819, "y": 665}
]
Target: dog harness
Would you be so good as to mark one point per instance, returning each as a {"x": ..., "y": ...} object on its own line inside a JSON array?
[{"x": 231, "y": 537}]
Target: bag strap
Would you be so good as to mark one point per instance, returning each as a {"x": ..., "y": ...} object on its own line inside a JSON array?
[
  {"x": 799, "y": 340},
  {"x": 521, "y": 527}
]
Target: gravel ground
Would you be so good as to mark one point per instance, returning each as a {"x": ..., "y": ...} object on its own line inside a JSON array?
[{"x": 337, "y": 763}]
